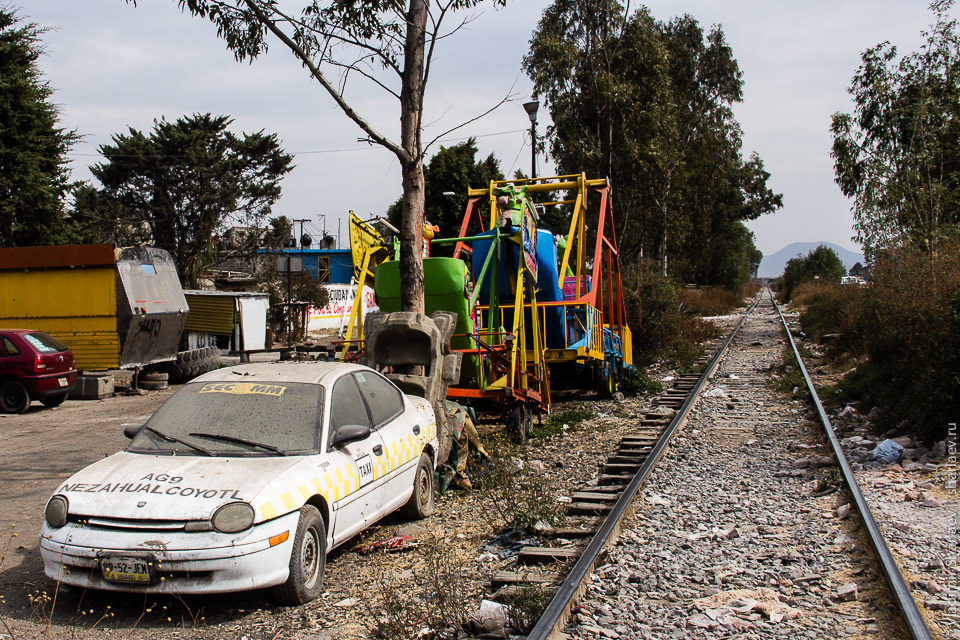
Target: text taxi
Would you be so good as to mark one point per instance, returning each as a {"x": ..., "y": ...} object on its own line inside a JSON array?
[{"x": 244, "y": 479}]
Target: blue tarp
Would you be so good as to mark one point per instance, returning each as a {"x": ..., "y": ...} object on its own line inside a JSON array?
[{"x": 548, "y": 289}]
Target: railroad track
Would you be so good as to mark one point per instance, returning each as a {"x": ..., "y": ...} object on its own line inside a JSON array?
[{"x": 601, "y": 507}]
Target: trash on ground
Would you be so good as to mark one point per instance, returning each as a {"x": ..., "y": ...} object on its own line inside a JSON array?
[
  {"x": 506, "y": 545},
  {"x": 396, "y": 543},
  {"x": 887, "y": 452},
  {"x": 490, "y": 620},
  {"x": 743, "y": 601}
]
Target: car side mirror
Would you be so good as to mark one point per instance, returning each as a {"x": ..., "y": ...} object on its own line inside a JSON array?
[
  {"x": 132, "y": 429},
  {"x": 350, "y": 433}
]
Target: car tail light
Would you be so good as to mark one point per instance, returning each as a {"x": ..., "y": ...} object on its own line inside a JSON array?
[{"x": 38, "y": 364}]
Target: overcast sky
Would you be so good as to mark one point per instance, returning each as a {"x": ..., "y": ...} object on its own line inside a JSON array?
[{"x": 114, "y": 66}]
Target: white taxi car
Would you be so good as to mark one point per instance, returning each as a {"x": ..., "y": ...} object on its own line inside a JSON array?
[{"x": 243, "y": 479}]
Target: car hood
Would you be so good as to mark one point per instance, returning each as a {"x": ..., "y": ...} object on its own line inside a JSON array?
[{"x": 139, "y": 486}]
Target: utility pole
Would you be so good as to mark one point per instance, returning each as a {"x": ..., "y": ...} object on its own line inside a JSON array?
[{"x": 295, "y": 221}]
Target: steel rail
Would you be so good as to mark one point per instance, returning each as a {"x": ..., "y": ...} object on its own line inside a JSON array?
[
  {"x": 554, "y": 617},
  {"x": 901, "y": 592}
]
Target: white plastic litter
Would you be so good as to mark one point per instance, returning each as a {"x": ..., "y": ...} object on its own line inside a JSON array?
[{"x": 887, "y": 452}]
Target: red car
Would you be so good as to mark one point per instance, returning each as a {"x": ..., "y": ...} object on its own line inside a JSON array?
[{"x": 33, "y": 365}]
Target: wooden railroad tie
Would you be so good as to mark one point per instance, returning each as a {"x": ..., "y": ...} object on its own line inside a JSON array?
[
  {"x": 543, "y": 555},
  {"x": 588, "y": 508},
  {"x": 596, "y": 496},
  {"x": 504, "y": 578},
  {"x": 568, "y": 532}
]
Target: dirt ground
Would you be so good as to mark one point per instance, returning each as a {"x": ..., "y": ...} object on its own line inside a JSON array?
[
  {"x": 46, "y": 446},
  {"x": 42, "y": 447}
]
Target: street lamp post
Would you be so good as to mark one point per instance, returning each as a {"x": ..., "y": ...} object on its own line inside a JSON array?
[{"x": 531, "y": 109}]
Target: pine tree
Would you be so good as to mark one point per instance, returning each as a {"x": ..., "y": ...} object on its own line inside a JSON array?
[{"x": 33, "y": 149}]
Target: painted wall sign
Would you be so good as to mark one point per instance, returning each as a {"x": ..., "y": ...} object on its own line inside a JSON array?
[{"x": 338, "y": 306}]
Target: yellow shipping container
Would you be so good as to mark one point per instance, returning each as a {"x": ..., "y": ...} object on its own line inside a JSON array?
[{"x": 71, "y": 292}]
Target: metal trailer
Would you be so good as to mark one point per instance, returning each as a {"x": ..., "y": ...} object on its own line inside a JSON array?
[
  {"x": 114, "y": 307},
  {"x": 503, "y": 346}
]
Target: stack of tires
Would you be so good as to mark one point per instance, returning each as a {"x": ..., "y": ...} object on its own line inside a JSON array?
[
  {"x": 188, "y": 365},
  {"x": 153, "y": 381}
]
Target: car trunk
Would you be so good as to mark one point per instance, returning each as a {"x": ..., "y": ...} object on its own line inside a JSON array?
[{"x": 50, "y": 363}]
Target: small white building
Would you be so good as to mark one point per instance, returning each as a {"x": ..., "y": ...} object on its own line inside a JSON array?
[{"x": 228, "y": 320}]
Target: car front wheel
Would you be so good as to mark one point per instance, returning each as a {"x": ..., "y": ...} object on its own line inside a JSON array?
[
  {"x": 307, "y": 560},
  {"x": 420, "y": 504},
  {"x": 14, "y": 397}
]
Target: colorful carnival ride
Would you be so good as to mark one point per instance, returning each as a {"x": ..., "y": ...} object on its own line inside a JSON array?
[{"x": 530, "y": 306}]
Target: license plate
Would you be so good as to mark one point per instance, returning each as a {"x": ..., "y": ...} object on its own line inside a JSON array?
[
  {"x": 129, "y": 569},
  {"x": 63, "y": 381}
]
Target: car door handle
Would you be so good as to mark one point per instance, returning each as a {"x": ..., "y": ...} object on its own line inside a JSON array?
[
  {"x": 416, "y": 429},
  {"x": 378, "y": 450}
]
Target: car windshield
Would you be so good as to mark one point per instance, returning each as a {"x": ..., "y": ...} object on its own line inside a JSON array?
[
  {"x": 44, "y": 343},
  {"x": 235, "y": 418}
]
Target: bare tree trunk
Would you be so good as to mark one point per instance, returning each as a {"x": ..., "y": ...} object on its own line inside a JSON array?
[
  {"x": 411, "y": 238},
  {"x": 663, "y": 241},
  {"x": 664, "y": 219},
  {"x": 411, "y": 99}
]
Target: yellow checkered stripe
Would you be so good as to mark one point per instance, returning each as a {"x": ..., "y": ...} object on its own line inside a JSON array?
[
  {"x": 400, "y": 452},
  {"x": 333, "y": 485},
  {"x": 337, "y": 484}
]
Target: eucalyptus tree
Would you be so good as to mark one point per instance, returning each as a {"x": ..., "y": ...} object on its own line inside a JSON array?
[
  {"x": 649, "y": 104},
  {"x": 381, "y": 41},
  {"x": 604, "y": 77},
  {"x": 447, "y": 176},
  {"x": 33, "y": 147},
  {"x": 896, "y": 155}
]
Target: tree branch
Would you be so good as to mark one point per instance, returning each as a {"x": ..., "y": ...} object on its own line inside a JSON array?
[
  {"x": 298, "y": 51},
  {"x": 507, "y": 98}
]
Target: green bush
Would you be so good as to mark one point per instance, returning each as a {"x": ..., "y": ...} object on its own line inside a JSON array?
[
  {"x": 634, "y": 381},
  {"x": 661, "y": 327},
  {"x": 711, "y": 301},
  {"x": 836, "y": 311},
  {"x": 822, "y": 264},
  {"x": 554, "y": 424},
  {"x": 520, "y": 498},
  {"x": 905, "y": 331}
]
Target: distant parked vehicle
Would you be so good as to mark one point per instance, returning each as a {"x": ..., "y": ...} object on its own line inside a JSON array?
[
  {"x": 857, "y": 280},
  {"x": 33, "y": 365}
]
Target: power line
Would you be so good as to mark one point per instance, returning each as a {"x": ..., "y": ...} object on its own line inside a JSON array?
[{"x": 310, "y": 152}]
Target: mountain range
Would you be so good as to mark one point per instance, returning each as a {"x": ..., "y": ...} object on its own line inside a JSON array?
[{"x": 772, "y": 266}]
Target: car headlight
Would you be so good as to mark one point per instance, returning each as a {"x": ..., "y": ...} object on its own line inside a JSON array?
[
  {"x": 56, "y": 511},
  {"x": 233, "y": 517}
]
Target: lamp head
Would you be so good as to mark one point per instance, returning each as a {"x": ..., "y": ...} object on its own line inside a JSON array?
[{"x": 531, "y": 109}]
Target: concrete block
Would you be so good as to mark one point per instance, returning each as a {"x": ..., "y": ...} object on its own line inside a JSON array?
[{"x": 93, "y": 387}]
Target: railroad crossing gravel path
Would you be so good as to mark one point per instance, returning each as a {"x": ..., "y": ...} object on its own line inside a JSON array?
[{"x": 728, "y": 537}]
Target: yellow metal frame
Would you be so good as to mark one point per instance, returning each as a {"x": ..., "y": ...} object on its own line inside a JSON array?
[{"x": 368, "y": 250}]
